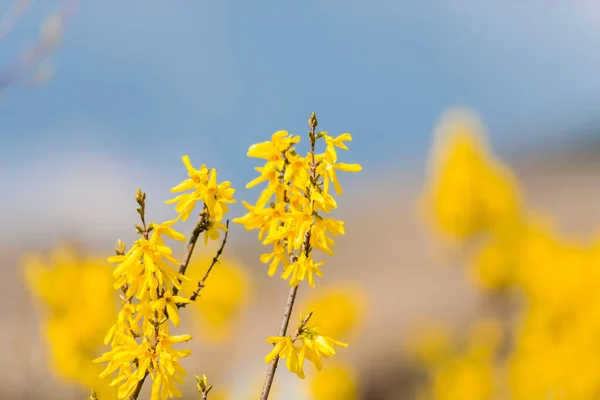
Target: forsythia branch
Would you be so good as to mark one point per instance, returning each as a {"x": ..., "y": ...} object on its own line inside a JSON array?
[
  {"x": 138, "y": 388},
  {"x": 282, "y": 332},
  {"x": 215, "y": 259},
  {"x": 312, "y": 122},
  {"x": 201, "y": 226}
]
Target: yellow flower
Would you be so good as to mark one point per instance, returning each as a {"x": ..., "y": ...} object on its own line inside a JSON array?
[
  {"x": 327, "y": 170},
  {"x": 143, "y": 268},
  {"x": 198, "y": 180},
  {"x": 332, "y": 143},
  {"x": 161, "y": 362},
  {"x": 272, "y": 150},
  {"x": 284, "y": 348},
  {"x": 169, "y": 303},
  {"x": 296, "y": 171},
  {"x": 317, "y": 347},
  {"x": 212, "y": 232},
  {"x": 277, "y": 257},
  {"x": 218, "y": 196},
  {"x": 313, "y": 347},
  {"x": 165, "y": 229},
  {"x": 303, "y": 267},
  {"x": 215, "y": 195}
]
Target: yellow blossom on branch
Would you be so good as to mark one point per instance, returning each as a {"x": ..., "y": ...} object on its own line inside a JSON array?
[
  {"x": 312, "y": 346},
  {"x": 204, "y": 186},
  {"x": 290, "y": 216},
  {"x": 294, "y": 223},
  {"x": 149, "y": 279}
]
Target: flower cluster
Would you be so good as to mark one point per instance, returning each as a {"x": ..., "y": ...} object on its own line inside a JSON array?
[
  {"x": 141, "y": 341},
  {"x": 313, "y": 347},
  {"x": 294, "y": 223},
  {"x": 204, "y": 187}
]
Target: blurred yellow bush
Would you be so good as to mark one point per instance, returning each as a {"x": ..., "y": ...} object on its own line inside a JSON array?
[
  {"x": 553, "y": 346},
  {"x": 469, "y": 190},
  {"x": 78, "y": 306}
]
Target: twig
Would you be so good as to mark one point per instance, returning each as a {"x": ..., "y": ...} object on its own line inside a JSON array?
[
  {"x": 282, "y": 332},
  {"x": 201, "y": 226},
  {"x": 212, "y": 264},
  {"x": 138, "y": 388},
  {"x": 215, "y": 260}
]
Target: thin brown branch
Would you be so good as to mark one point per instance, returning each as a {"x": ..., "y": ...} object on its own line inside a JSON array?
[
  {"x": 215, "y": 260},
  {"x": 138, "y": 388},
  {"x": 201, "y": 226},
  {"x": 282, "y": 332}
]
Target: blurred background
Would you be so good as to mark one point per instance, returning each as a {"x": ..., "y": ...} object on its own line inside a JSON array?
[{"x": 469, "y": 269}]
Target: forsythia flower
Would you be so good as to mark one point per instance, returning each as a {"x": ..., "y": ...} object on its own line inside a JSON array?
[
  {"x": 144, "y": 268},
  {"x": 215, "y": 195},
  {"x": 313, "y": 347},
  {"x": 294, "y": 223}
]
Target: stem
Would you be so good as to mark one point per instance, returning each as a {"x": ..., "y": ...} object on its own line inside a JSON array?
[
  {"x": 201, "y": 226},
  {"x": 138, "y": 388},
  {"x": 215, "y": 260},
  {"x": 282, "y": 332}
]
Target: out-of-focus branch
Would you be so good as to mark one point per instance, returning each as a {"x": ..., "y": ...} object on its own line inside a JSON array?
[
  {"x": 10, "y": 19},
  {"x": 51, "y": 31}
]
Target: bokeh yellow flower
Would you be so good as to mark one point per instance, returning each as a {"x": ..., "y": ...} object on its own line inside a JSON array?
[{"x": 468, "y": 190}]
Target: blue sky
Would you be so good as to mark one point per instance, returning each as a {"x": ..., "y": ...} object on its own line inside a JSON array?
[{"x": 139, "y": 83}]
